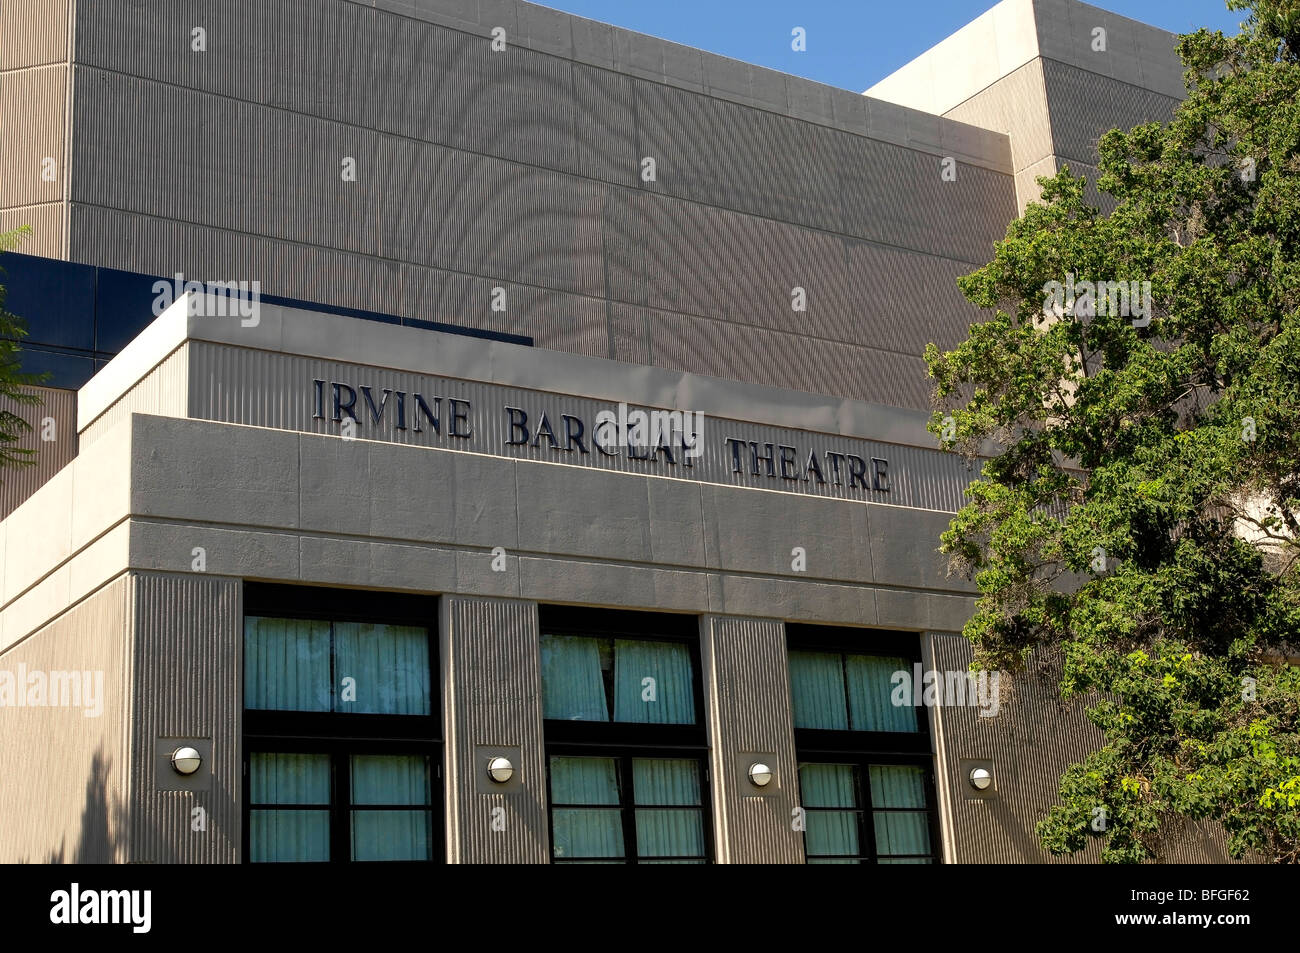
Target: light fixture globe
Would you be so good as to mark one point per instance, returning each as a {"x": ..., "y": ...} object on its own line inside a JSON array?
[
  {"x": 186, "y": 760},
  {"x": 500, "y": 769},
  {"x": 981, "y": 779},
  {"x": 760, "y": 774}
]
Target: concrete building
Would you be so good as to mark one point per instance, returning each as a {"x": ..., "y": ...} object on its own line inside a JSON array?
[{"x": 375, "y": 562}]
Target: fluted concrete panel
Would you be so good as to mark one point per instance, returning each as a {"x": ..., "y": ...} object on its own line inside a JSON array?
[
  {"x": 263, "y": 389},
  {"x": 46, "y": 221},
  {"x": 64, "y": 770},
  {"x": 747, "y": 695},
  {"x": 157, "y": 40},
  {"x": 53, "y": 436},
  {"x": 188, "y": 631},
  {"x": 31, "y": 150},
  {"x": 1027, "y": 745},
  {"x": 1084, "y": 105},
  {"x": 33, "y": 33},
  {"x": 493, "y": 701},
  {"x": 788, "y": 359}
]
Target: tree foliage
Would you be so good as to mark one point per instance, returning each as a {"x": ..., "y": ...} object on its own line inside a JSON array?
[{"x": 1141, "y": 517}]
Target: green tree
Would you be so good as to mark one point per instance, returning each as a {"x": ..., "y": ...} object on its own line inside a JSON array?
[
  {"x": 14, "y": 384},
  {"x": 1141, "y": 517}
]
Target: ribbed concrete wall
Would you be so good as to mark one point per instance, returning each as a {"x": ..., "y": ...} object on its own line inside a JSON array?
[
  {"x": 64, "y": 777},
  {"x": 521, "y": 169},
  {"x": 33, "y": 92},
  {"x": 747, "y": 693},
  {"x": 265, "y": 389},
  {"x": 32, "y": 108},
  {"x": 35, "y": 33},
  {"x": 55, "y": 417},
  {"x": 1027, "y": 747},
  {"x": 186, "y": 688},
  {"x": 1085, "y": 104},
  {"x": 493, "y": 706}
]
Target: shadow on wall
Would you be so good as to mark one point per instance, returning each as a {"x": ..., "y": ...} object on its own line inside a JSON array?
[{"x": 103, "y": 824}]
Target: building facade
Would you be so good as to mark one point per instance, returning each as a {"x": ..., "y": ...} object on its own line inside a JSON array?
[{"x": 560, "y": 491}]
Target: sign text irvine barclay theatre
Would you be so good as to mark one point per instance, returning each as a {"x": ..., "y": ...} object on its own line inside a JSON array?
[{"x": 660, "y": 438}]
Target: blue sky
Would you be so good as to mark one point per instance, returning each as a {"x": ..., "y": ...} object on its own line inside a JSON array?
[{"x": 851, "y": 43}]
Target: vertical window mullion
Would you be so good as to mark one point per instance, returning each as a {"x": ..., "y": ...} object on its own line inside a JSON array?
[
  {"x": 867, "y": 814},
  {"x": 627, "y": 793},
  {"x": 848, "y": 698},
  {"x": 340, "y": 802},
  {"x": 333, "y": 676}
]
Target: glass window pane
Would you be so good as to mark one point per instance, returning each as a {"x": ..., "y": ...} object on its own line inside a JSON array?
[
  {"x": 286, "y": 664},
  {"x": 817, "y": 689},
  {"x": 897, "y": 785},
  {"x": 288, "y": 836},
  {"x": 831, "y": 832},
  {"x": 389, "y": 665},
  {"x": 583, "y": 781},
  {"x": 391, "y": 835},
  {"x": 390, "y": 779},
  {"x": 573, "y": 686},
  {"x": 653, "y": 683},
  {"x": 902, "y": 832},
  {"x": 669, "y": 832},
  {"x": 289, "y": 778},
  {"x": 666, "y": 781},
  {"x": 827, "y": 785},
  {"x": 871, "y": 685},
  {"x": 587, "y": 832}
]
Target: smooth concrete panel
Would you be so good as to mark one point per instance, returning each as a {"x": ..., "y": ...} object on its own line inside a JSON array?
[
  {"x": 455, "y": 497},
  {"x": 335, "y": 485},
  {"x": 742, "y": 535},
  {"x": 351, "y": 562},
  {"x": 608, "y": 584},
  {"x": 677, "y": 534},
  {"x": 247, "y": 554},
  {"x": 38, "y": 535},
  {"x": 797, "y": 600},
  {"x": 584, "y": 513},
  {"x": 904, "y": 547},
  {"x": 906, "y": 609},
  {"x": 237, "y": 479},
  {"x": 486, "y": 572},
  {"x": 65, "y": 585}
]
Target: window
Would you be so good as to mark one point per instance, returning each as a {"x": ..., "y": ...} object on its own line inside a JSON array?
[
  {"x": 865, "y": 765},
  {"x": 342, "y": 746},
  {"x": 625, "y": 745}
]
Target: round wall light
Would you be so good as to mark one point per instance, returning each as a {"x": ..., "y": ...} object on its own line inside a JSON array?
[
  {"x": 980, "y": 779},
  {"x": 760, "y": 774},
  {"x": 500, "y": 769},
  {"x": 186, "y": 760}
]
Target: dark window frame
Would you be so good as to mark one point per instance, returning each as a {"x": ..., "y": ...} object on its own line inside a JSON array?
[
  {"x": 341, "y": 734},
  {"x": 622, "y": 740},
  {"x": 861, "y": 749},
  {"x": 627, "y": 806}
]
